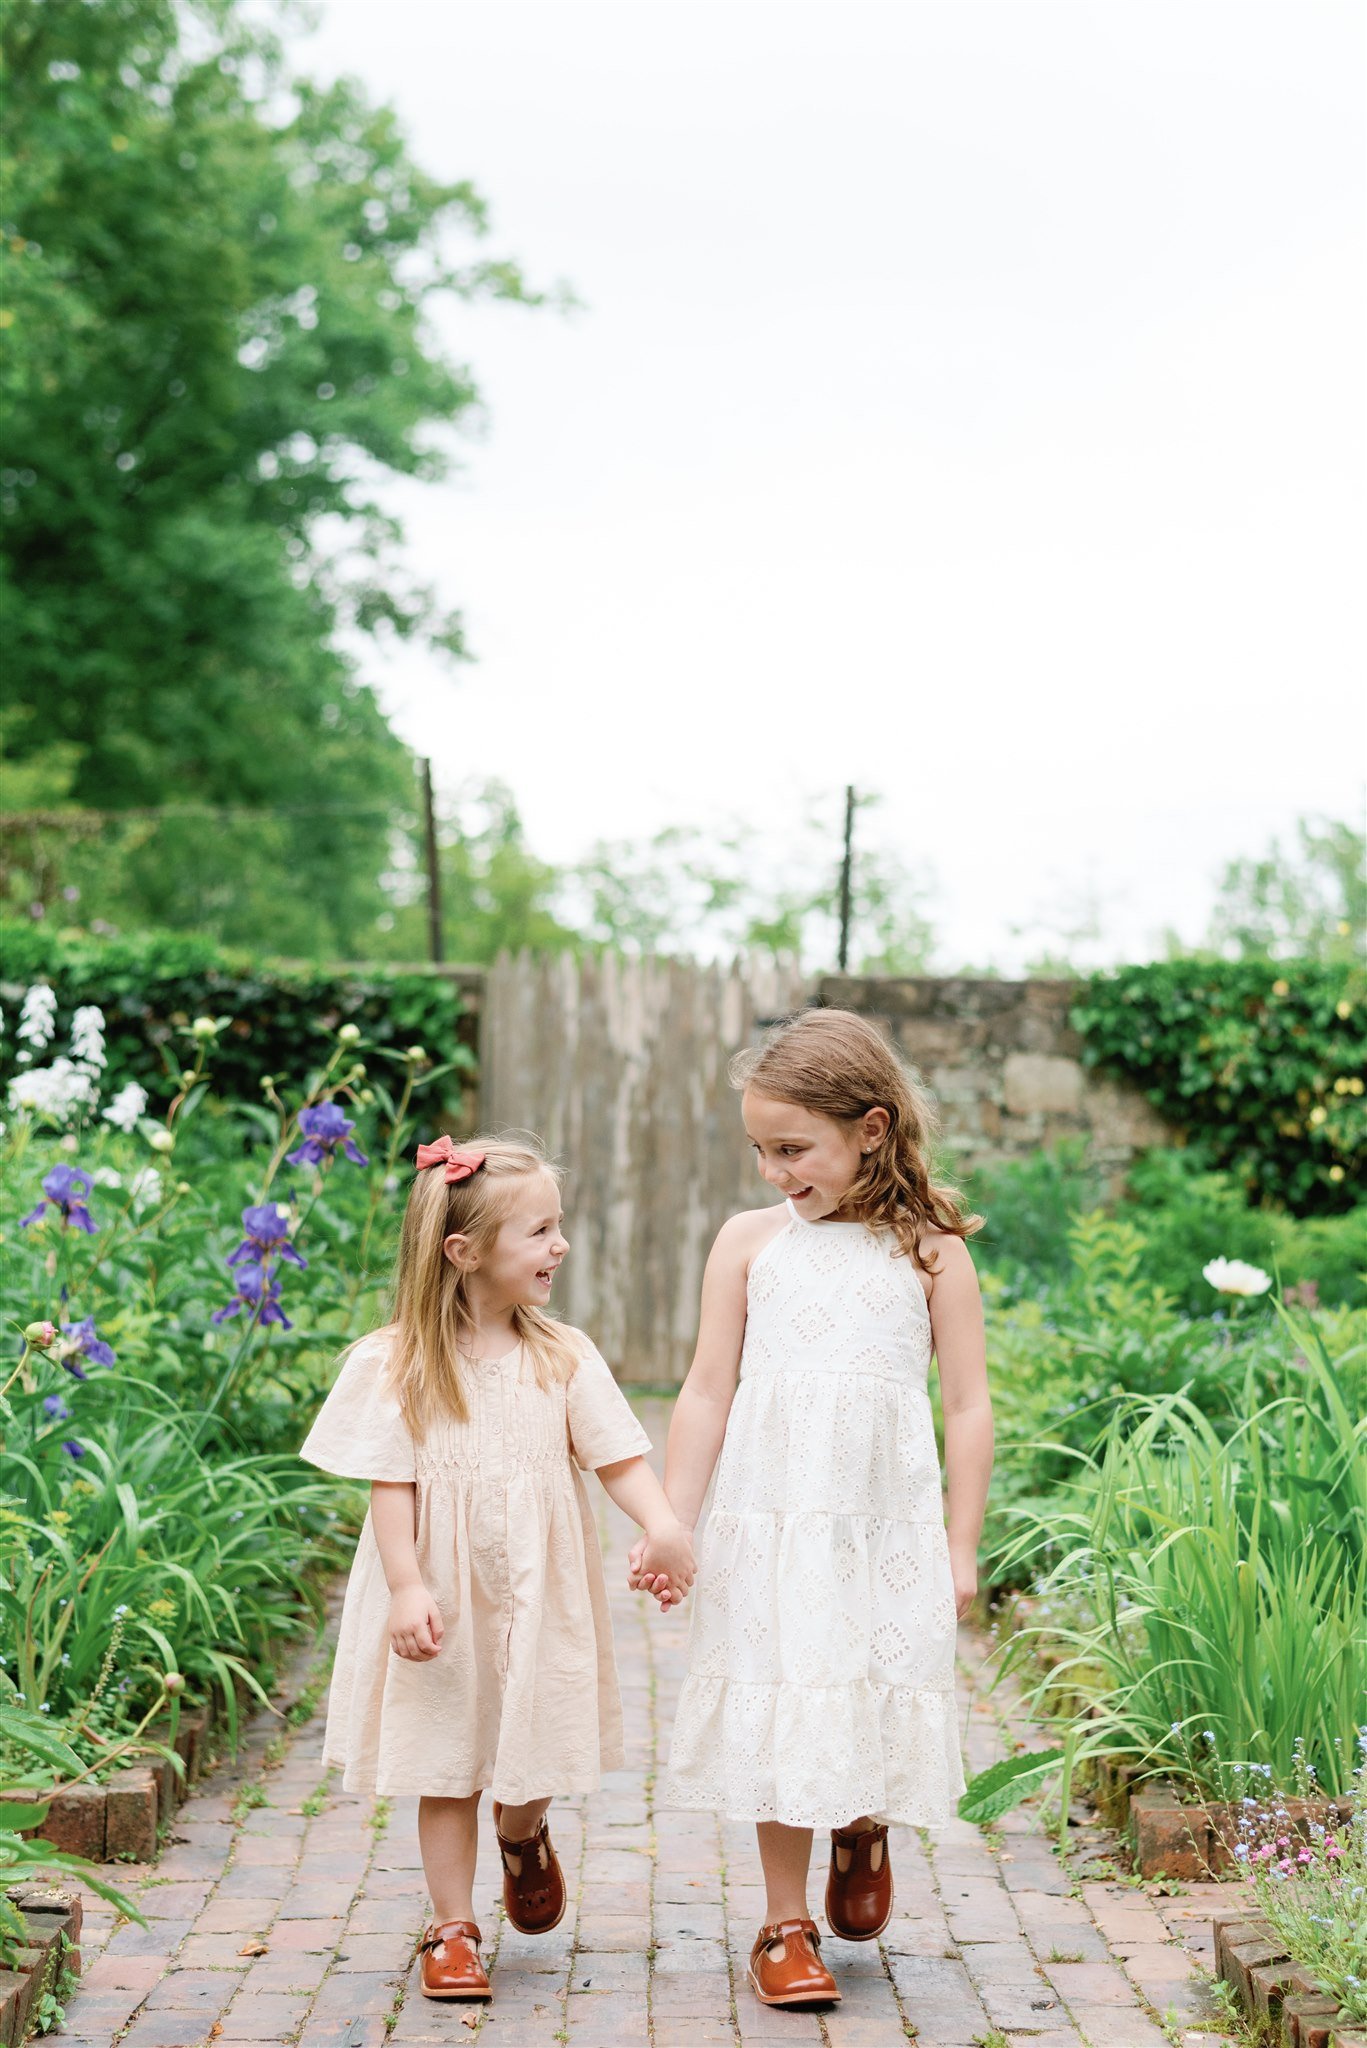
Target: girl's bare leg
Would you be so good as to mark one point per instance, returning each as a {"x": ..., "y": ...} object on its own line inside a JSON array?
[
  {"x": 517, "y": 1823},
  {"x": 448, "y": 1835},
  {"x": 786, "y": 1854}
]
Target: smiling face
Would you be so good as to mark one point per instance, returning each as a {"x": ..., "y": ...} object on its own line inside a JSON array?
[
  {"x": 814, "y": 1160},
  {"x": 516, "y": 1268}
]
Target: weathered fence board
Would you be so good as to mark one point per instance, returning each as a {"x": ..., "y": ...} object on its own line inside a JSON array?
[{"x": 620, "y": 1067}]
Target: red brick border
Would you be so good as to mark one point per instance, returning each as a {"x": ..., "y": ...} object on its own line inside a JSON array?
[
  {"x": 1269, "y": 1986},
  {"x": 47, "y": 1914},
  {"x": 118, "y": 1820}
]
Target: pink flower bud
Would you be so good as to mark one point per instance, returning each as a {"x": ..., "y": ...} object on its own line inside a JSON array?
[{"x": 40, "y": 1335}]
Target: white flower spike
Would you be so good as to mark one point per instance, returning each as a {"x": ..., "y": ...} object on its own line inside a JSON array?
[{"x": 1233, "y": 1276}]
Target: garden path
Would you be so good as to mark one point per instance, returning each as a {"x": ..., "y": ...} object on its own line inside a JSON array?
[{"x": 993, "y": 1940}]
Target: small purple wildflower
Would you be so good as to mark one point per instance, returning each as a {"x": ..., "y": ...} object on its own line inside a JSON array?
[
  {"x": 82, "y": 1340},
  {"x": 258, "y": 1291},
  {"x": 325, "y": 1129},
  {"x": 66, "y": 1187},
  {"x": 73, "y": 1449},
  {"x": 56, "y": 1407},
  {"x": 268, "y": 1230}
]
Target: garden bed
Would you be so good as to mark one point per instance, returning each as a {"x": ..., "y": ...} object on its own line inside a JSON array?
[
  {"x": 52, "y": 1918},
  {"x": 118, "y": 1821},
  {"x": 1274, "y": 1991}
]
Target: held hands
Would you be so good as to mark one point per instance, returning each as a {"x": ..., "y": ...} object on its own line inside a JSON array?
[
  {"x": 662, "y": 1564},
  {"x": 415, "y": 1624}
]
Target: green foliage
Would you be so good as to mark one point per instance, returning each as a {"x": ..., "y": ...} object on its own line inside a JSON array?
[
  {"x": 283, "y": 1020},
  {"x": 1206, "y": 1586},
  {"x": 219, "y": 282},
  {"x": 995, "y": 1791},
  {"x": 1305, "y": 905},
  {"x": 1311, "y": 1892},
  {"x": 1259, "y": 1067}
]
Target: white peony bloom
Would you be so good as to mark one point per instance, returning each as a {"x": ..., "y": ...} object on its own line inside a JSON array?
[
  {"x": 1232, "y": 1276},
  {"x": 60, "y": 1091},
  {"x": 106, "y": 1177},
  {"x": 87, "y": 1036},
  {"x": 38, "y": 1015},
  {"x": 127, "y": 1106},
  {"x": 145, "y": 1188}
]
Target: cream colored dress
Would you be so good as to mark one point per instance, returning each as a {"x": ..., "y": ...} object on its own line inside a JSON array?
[{"x": 522, "y": 1698}]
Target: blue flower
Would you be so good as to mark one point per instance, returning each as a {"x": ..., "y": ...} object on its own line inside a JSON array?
[
  {"x": 56, "y": 1407},
  {"x": 258, "y": 1291},
  {"x": 73, "y": 1449},
  {"x": 82, "y": 1341},
  {"x": 268, "y": 1230},
  {"x": 325, "y": 1129},
  {"x": 66, "y": 1187}
]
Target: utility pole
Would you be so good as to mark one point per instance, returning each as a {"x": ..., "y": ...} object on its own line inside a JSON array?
[
  {"x": 434, "y": 952},
  {"x": 846, "y": 875}
]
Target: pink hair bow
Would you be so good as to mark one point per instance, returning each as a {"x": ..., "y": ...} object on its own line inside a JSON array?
[{"x": 460, "y": 1161}]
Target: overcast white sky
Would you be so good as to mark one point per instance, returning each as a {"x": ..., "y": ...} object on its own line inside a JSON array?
[{"x": 967, "y": 403}]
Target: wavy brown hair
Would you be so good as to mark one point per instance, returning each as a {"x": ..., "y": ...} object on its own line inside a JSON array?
[
  {"x": 433, "y": 1323},
  {"x": 836, "y": 1064}
]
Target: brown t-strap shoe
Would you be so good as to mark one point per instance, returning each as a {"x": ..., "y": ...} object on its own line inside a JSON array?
[
  {"x": 786, "y": 1966},
  {"x": 534, "y": 1892},
  {"x": 859, "y": 1888},
  {"x": 451, "y": 1967}
]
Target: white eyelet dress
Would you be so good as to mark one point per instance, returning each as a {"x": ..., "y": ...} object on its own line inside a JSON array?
[{"x": 820, "y": 1678}]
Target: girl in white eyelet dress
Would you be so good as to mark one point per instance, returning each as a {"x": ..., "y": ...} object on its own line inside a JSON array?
[{"x": 820, "y": 1683}]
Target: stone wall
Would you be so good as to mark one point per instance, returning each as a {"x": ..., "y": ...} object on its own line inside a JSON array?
[{"x": 1004, "y": 1065}]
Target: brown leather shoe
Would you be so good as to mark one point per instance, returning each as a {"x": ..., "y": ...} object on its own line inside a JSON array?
[
  {"x": 859, "y": 1888},
  {"x": 786, "y": 1966},
  {"x": 534, "y": 1893},
  {"x": 451, "y": 1967}
]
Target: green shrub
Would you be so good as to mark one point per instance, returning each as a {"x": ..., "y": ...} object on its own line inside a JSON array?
[
  {"x": 1206, "y": 1587},
  {"x": 282, "y": 1019},
  {"x": 1258, "y": 1064}
]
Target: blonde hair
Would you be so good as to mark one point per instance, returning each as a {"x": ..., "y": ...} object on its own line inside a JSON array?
[
  {"x": 433, "y": 1322},
  {"x": 836, "y": 1064}
]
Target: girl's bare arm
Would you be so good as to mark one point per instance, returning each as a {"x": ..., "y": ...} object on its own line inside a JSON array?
[
  {"x": 956, "y": 1318},
  {"x": 704, "y": 1403},
  {"x": 415, "y": 1624}
]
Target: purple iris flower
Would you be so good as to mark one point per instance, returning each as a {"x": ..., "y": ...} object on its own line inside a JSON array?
[
  {"x": 258, "y": 1291},
  {"x": 325, "y": 1128},
  {"x": 66, "y": 1187},
  {"x": 268, "y": 1230},
  {"x": 73, "y": 1449},
  {"x": 84, "y": 1341},
  {"x": 56, "y": 1407}
]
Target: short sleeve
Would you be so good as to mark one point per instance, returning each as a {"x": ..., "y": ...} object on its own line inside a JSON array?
[
  {"x": 602, "y": 1426},
  {"x": 359, "y": 1432}
]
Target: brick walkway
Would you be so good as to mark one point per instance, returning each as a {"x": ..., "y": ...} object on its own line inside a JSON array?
[{"x": 994, "y": 1942}]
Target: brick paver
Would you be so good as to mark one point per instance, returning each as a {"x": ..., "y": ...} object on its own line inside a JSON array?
[{"x": 296, "y": 1920}]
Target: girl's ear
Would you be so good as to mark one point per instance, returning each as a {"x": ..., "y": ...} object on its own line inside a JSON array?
[
  {"x": 874, "y": 1126},
  {"x": 456, "y": 1248}
]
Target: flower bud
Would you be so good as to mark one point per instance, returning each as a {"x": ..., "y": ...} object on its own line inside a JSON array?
[
  {"x": 182, "y": 1187},
  {"x": 349, "y": 1034},
  {"x": 173, "y": 1682},
  {"x": 366, "y": 1097},
  {"x": 204, "y": 1028},
  {"x": 188, "y": 1077},
  {"x": 161, "y": 1140},
  {"x": 267, "y": 1083},
  {"x": 416, "y": 1054},
  {"x": 40, "y": 1335}
]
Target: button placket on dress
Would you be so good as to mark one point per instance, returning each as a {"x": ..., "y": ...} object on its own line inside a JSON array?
[{"x": 494, "y": 1473}]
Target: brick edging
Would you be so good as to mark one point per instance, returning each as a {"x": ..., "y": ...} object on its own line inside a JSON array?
[
  {"x": 118, "y": 1821},
  {"x": 1269, "y": 1987},
  {"x": 47, "y": 1913}
]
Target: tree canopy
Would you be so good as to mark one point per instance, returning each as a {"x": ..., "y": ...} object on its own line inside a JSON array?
[{"x": 217, "y": 344}]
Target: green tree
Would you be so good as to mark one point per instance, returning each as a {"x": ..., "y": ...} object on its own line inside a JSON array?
[
  {"x": 219, "y": 280},
  {"x": 1308, "y": 903}
]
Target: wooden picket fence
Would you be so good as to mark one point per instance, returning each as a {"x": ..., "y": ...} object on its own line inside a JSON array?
[{"x": 619, "y": 1065}]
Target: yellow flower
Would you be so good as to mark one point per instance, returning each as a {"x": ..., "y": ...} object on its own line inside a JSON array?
[
  {"x": 162, "y": 1610},
  {"x": 1336, "y": 1173},
  {"x": 1343, "y": 1009}
]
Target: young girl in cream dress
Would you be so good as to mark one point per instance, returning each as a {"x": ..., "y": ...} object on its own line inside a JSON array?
[
  {"x": 820, "y": 1686},
  {"x": 475, "y": 1651}
]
